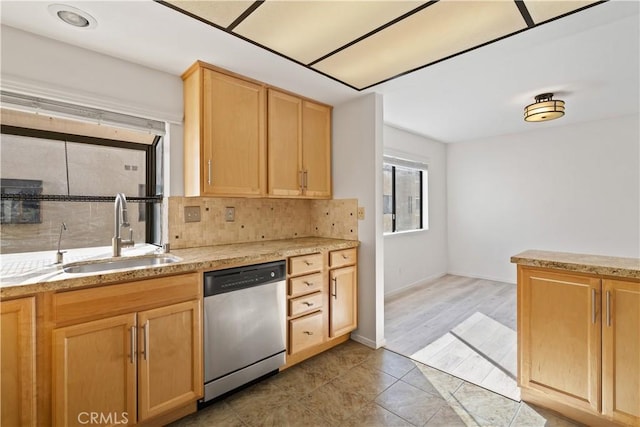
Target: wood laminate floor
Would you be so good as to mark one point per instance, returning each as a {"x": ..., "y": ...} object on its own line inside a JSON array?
[{"x": 419, "y": 316}]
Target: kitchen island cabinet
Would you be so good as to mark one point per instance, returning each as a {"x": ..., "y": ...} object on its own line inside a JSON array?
[
  {"x": 18, "y": 362},
  {"x": 579, "y": 335},
  {"x": 621, "y": 351}
]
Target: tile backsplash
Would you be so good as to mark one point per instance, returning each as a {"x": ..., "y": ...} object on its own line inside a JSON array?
[{"x": 260, "y": 219}]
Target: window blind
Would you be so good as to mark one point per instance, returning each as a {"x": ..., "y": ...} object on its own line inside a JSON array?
[{"x": 29, "y": 103}]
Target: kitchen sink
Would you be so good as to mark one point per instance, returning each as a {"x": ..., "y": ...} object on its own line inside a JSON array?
[{"x": 110, "y": 264}]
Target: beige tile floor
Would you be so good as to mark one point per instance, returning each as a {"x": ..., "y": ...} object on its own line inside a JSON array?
[{"x": 353, "y": 385}]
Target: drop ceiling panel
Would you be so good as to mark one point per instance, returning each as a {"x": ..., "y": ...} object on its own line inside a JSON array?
[
  {"x": 541, "y": 11},
  {"x": 221, "y": 13},
  {"x": 308, "y": 30},
  {"x": 438, "y": 31}
]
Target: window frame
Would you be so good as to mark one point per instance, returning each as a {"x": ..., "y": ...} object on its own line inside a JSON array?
[
  {"x": 420, "y": 167},
  {"x": 151, "y": 162}
]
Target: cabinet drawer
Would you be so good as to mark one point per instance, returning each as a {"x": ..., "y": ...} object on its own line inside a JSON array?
[
  {"x": 112, "y": 300},
  {"x": 343, "y": 257},
  {"x": 305, "y": 264},
  {"x": 305, "y": 304},
  {"x": 305, "y": 332},
  {"x": 305, "y": 284}
]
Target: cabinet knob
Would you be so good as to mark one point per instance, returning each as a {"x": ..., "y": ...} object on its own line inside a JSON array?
[
  {"x": 308, "y": 304},
  {"x": 308, "y": 333}
]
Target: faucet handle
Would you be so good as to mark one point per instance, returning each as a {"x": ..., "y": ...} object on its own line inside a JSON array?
[{"x": 129, "y": 242}]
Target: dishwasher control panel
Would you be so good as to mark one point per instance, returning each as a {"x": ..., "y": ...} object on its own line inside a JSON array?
[{"x": 233, "y": 279}]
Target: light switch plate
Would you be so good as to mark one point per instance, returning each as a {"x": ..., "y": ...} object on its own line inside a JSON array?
[
  {"x": 360, "y": 213},
  {"x": 229, "y": 214},
  {"x": 192, "y": 214}
]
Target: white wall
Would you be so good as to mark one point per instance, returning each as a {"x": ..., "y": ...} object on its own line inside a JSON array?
[
  {"x": 574, "y": 189},
  {"x": 357, "y": 173},
  {"x": 68, "y": 73},
  {"x": 40, "y": 66},
  {"x": 413, "y": 258}
]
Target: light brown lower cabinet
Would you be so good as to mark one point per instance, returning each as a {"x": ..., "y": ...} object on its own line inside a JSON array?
[
  {"x": 322, "y": 302},
  {"x": 94, "y": 372},
  {"x": 579, "y": 344},
  {"x": 128, "y": 368},
  {"x": 18, "y": 362},
  {"x": 169, "y": 373},
  {"x": 343, "y": 301},
  {"x": 621, "y": 351}
]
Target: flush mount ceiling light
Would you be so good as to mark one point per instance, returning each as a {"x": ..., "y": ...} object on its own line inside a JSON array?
[
  {"x": 73, "y": 16},
  {"x": 545, "y": 108}
]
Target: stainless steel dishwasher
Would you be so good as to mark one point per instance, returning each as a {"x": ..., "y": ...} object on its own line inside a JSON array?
[{"x": 244, "y": 326}]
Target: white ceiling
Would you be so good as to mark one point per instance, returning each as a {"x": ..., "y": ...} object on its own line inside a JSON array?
[{"x": 589, "y": 59}]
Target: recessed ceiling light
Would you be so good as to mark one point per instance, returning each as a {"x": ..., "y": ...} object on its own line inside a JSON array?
[{"x": 73, "y": 16}]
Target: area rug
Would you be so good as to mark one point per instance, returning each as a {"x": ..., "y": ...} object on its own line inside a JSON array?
[{"x": 479, "y": 350}]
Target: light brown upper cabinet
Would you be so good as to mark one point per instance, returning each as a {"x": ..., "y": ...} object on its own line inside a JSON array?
[
  {"x": 224, "y": 134},
  {"x": 241, "y": 142},
  {"x": 299, "y": 146}
]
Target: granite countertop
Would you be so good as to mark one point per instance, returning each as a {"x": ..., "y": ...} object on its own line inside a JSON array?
[
  {"x": 52, "y": 278},
  {"x": 582, "y": 263}
]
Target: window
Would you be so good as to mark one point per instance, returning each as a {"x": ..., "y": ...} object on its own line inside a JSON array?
[
  {"x": 404, "y": 190},
  {"x": 49, "y": 178}
]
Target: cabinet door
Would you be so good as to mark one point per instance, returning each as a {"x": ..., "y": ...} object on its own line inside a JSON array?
[
  {"x": 316, "y": 149},
  {"x": 343, "y": 301},
  {"x": 17, "y": 362},
  {"x": 621, "y": 351},
  {"x": 234, "y": 138},
  {"x": 284, "y": 144},
  {"x": 94, "y": 372},
  {"x": 170, "y": 356},
  {"x": 559, "y": 330}
]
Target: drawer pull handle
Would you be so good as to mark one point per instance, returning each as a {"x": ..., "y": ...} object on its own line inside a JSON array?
[
  {"x": 308, "y": 304},
  {"x": 344, "y": 256},
  {"x": 335, "y": 288},
  {"x": 308, "y": 333},
  {"x": 308, "y": 283},
  {"x": 307, "y": 263}
]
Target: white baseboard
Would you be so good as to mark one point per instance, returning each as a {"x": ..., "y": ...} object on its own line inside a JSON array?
[
  {"x": 414, "y": 284},
  {"x": 366, "y": 341},
  {"x": 476, "y": 276}
]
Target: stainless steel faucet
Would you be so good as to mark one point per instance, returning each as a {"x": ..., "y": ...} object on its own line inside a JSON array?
[
  {"x": 60, "y": 254},
  {"x": 121, "y": 220}
]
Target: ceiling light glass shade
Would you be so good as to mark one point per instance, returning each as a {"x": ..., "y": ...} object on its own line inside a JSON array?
[
  {"x": 73, "y": 16},
  {"x": 545, "y": 108}
]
